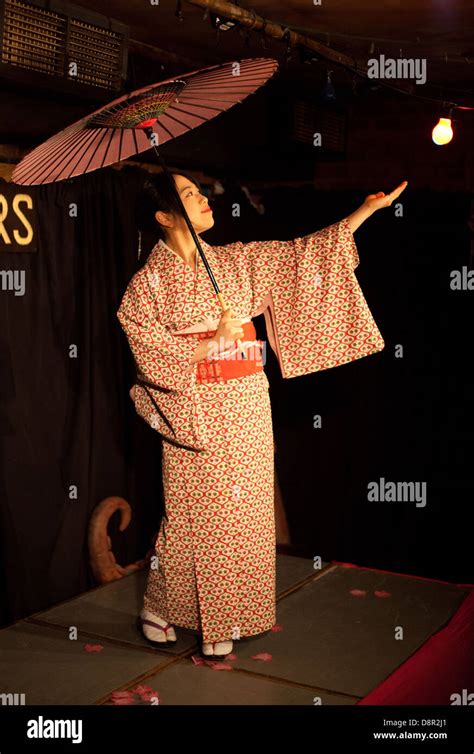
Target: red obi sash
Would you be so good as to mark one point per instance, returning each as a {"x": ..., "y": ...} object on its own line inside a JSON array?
[{"x": 226, "y": 367}]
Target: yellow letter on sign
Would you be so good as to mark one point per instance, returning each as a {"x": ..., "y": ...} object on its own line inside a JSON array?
[{"x": 23, "y": 240}]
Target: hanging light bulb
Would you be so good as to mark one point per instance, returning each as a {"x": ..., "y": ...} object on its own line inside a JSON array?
[{"x": 442, "y": 133}]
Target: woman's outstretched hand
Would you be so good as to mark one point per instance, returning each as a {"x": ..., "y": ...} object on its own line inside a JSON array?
[
  {"x": 379, "y": 200},
  {"x": 372, "y": 203}
]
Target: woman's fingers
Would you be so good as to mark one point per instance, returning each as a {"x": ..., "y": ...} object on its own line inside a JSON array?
[
  {"x": 396, "y": 192},
  {"x": 385, "y": 200},
  {"x": 233, "y": 327}
]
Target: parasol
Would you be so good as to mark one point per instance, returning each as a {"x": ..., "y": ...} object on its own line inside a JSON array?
[{"x": 142, "y": 119}]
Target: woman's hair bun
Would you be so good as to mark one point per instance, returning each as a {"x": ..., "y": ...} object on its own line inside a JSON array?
[{"x": 155, "y": 195}]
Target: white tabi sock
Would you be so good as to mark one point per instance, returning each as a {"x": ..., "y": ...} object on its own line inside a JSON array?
[
  {"x": 217, "y": 648},
  {"x": 153, "y": 633}
]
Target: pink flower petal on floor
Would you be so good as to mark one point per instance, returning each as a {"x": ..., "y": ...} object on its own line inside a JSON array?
[
  {"x": 142, "y": 689},
  {"x": 265, "y": 656},
  {"x": 122, "y": 695},
  {"x": 93, "y": 647},
  {"x": 358, "y": 592},
  {"x": 125, "y": 700},
  {"x": 231, "y": 657},
  {"x": 276, "y": 627},
  {"x": 198, "y": 660},
  {"x": 381, "y": 593},
  {"x": 217, "y": 665},
  {"x": 151, "y": 696}
]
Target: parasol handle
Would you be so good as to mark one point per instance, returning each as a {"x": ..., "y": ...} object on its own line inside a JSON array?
[
  {"x": 149, "y": 132},
  {"x": 224, "y": 306}
]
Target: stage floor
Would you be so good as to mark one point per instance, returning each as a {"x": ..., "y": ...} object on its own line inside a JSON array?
[{"x": 344, "y": 630}]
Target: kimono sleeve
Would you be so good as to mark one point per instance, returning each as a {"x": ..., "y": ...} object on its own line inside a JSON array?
[
  {"x": 315, "y": 312},
  {"x": 165, "y": 393}
]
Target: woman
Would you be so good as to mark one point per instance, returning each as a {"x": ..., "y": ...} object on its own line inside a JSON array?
[{"x": 214, "y": 569}]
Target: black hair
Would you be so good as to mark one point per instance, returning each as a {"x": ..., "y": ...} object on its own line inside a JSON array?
[{"x": 156, "y": 195}]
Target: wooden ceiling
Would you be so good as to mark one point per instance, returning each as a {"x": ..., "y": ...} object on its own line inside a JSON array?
[
  {"x": 439, "y": 30},
  {"x": 162, "y": 45}
]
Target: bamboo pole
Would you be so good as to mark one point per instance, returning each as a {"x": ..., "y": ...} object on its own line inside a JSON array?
[
  {"x": 275, "y": 31},
  {"x": 252, "y": 21}
]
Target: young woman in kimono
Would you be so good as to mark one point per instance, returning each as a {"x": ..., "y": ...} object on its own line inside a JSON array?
[{"x": 214, "y": 569}]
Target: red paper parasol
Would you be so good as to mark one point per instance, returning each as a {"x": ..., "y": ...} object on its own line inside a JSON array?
[
  {"x": 147, "y": 117},
  {"x": 116, "y": 131}
]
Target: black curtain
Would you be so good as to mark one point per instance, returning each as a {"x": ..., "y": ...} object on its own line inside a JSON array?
[
  {"x": 68, "y": 423},
  {"x": 69, "y": 436},
  {"x": 403, "y": 419}
]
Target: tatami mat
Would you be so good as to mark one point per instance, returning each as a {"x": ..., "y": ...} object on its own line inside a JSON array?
[{"x": 342, "y": 631}]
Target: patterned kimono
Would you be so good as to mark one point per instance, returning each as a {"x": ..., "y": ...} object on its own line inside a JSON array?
[{"x": 215, "y": 565}]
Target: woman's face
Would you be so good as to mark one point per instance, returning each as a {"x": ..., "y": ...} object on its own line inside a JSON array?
[{"x": 195, "y": 204}]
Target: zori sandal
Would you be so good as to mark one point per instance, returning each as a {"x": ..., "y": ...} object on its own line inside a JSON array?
[{"x": 159, "y": 632}]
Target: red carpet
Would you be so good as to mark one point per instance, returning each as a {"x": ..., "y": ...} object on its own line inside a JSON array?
[{"x": 442, "y": 667}]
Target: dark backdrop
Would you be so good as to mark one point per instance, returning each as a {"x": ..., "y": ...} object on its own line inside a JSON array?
[{"x": 70, "y": 421}]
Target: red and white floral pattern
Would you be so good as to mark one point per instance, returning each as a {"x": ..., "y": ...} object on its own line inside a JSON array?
[{"x": 216, "y": 545}]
